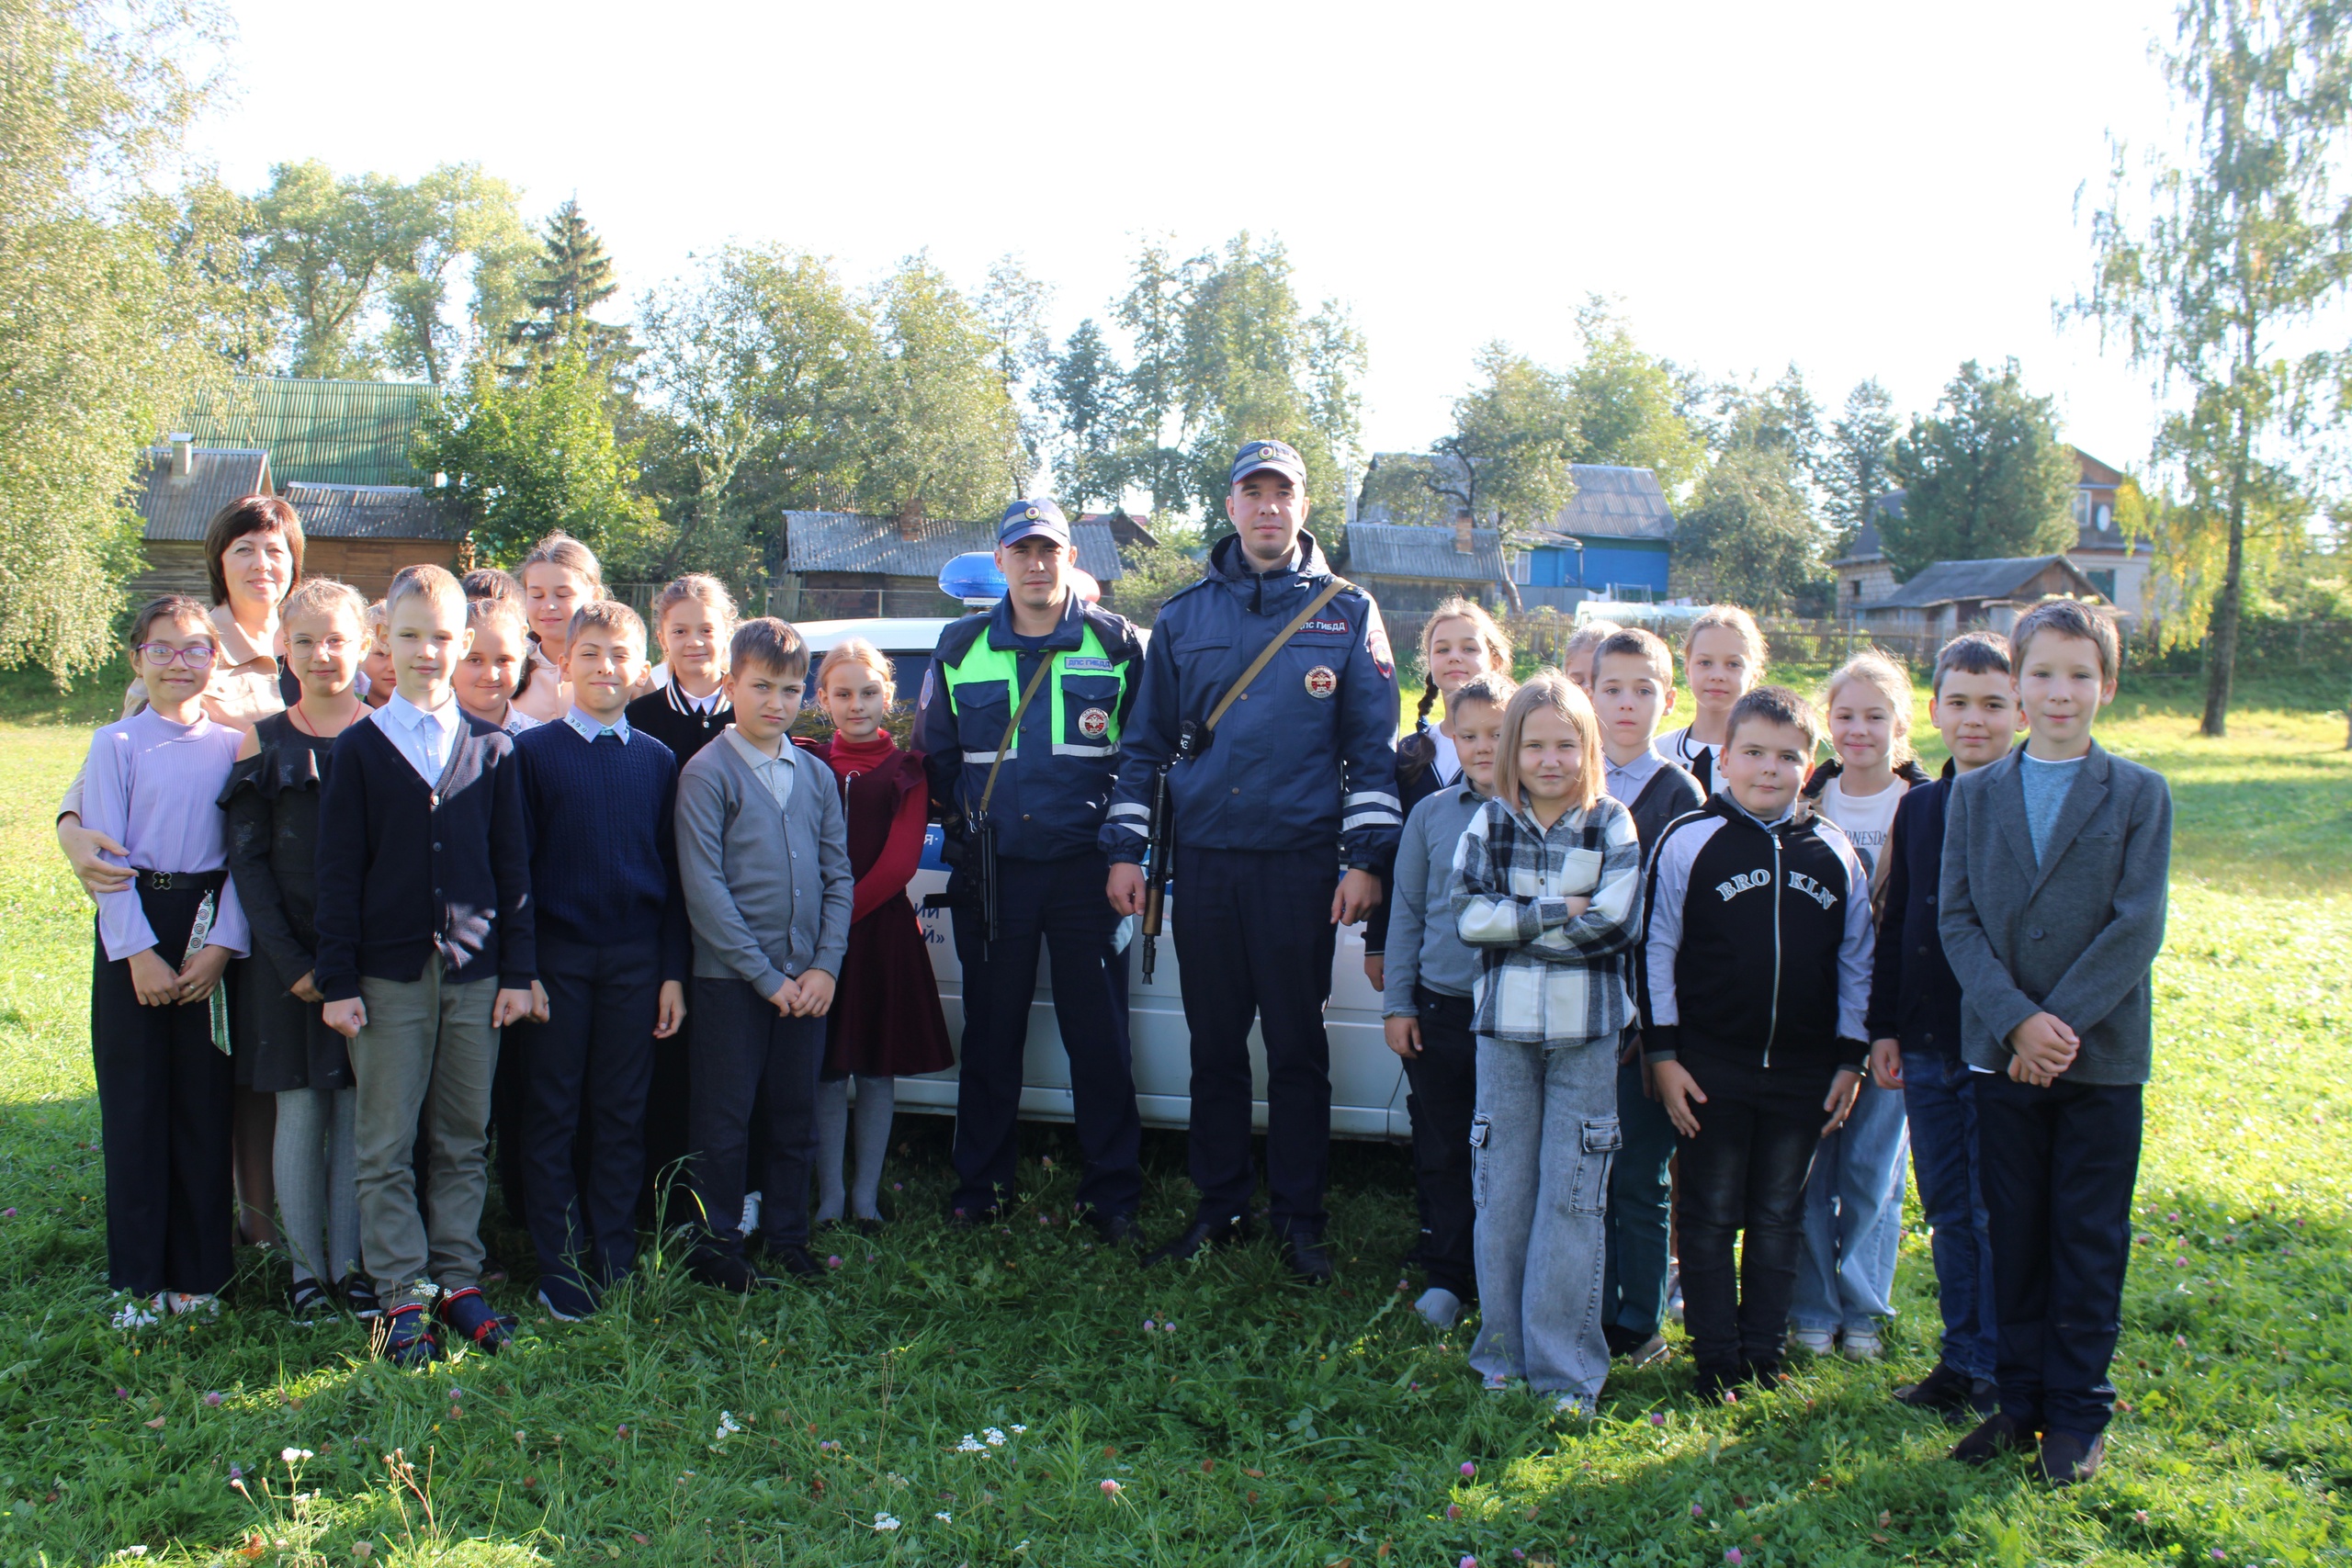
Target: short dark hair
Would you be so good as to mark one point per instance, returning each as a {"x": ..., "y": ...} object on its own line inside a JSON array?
[
  {"x": 1775, "y": 704},
  {"x": 1636, "y": 642},
  {"x": 489, "y": 582},
  {"x": 2069, "y": 617},
  {"x": 770, "y": 643},
  {"x": 1487, "y": 686},
  {"x": 1971, "y": 653},
  {"x": 608, "y": 615},
  {"x": 176, "y": 608},
  {"x": 250, "y": 514}
]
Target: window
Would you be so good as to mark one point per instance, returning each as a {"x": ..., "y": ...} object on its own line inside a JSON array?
[
  {"x": 1520, "y": 567},
  {"x": 2081, "y": 507},
  {"x": 2104, "y": 580}
]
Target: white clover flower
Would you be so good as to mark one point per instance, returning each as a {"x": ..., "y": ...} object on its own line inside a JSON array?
[
  {"x": 971, "y": 1445},
  {"x": 885, "y": 1521},
  {"x": 728, "y": 1427},
  {"x": 995, "y": 1437},
  {"x": 295, "y": 1456},
  {"x": 943, "y": 1519},
  {"x": 1019, "y": 1428}
]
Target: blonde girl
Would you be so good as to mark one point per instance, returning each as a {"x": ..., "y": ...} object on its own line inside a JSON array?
[
  {"x": 1723, "y": 659},
  {"x": 1546, "y": 885},
  {"x": 1853, "y": 1199},
  {"x": 1576, "y": 655},
  {"x": 559, "y": 576},
  {"x": 886, "y": 1021}
]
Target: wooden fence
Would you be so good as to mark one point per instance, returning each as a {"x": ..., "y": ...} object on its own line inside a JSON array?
[{"x": 1815, "y": 643}]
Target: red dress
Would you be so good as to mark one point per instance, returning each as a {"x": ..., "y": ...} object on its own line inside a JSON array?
[{"x": 885, "y": 1020}]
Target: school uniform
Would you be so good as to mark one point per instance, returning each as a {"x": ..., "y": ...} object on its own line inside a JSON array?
[
  {"x": 165, "y": 1080},
  {"x": 597, "y": 802},
  {"x": 1425, "y": 763},
  {"x": 1754, "y": 972},
  {"x": 1633, "y": 1290},
  {"x": 425, "y": 914},
  {"x": 2065, "y": 917},
  {"x": 764, "y": 864}
]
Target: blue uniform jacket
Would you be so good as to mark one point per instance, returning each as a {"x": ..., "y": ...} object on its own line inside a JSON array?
[
  {"x": 1050, "y": 798},
  {"x": 1914, "y": 997},
  {"x": 1307, "y": 758}
]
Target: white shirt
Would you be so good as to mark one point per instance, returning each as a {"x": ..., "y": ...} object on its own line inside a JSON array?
[
  {"x": 1676, "y": 746},
  {"x": 424, "y": 738},
  {"x": 1445, "y": 763},
  {"x": 1868, "y": 820},
  {"x": 776, "y": 772},
  {"x": 588, "y": 726}
]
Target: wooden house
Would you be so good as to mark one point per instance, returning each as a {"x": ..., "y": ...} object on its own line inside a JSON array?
[
  {"x": 842, "y": 565},
  {"x": 1953, "y": 596}
]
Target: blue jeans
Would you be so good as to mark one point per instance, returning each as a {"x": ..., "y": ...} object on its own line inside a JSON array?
[
  {"x": 1940, "y": 1093},
  {"x": 1853, "y": 1220}
]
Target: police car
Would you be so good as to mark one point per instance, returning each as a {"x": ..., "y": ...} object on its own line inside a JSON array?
[{"x": 1367, "y": 1079}]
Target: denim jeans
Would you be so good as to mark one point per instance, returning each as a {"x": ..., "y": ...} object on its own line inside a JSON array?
[
  {"x": 1633, "y": 1290},
  {"x": 1541, "y": 1146},
  {"x": 1939, "y": 1095},
  {"x": 1853, "y": 1220},
  {"x": 1745, "y": 1172}
]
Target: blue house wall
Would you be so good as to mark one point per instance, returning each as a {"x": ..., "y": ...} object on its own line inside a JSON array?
[{"x": 1625, "y": 562}]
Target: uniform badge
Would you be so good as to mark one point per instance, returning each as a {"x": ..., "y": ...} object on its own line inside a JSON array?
[
  {"x": 1321, "y": 683},
  {"x": 1094, "y": 724},
  {"x": 924, "y": 700}
]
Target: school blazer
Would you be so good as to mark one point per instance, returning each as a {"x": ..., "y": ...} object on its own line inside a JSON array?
[
  {"x": 767, "y": 891},
  {"x": 2074, "y": 936}
]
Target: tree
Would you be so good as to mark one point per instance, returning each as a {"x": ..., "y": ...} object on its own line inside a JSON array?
[
  {"x": 1506, "y": 457},
  {"x": 453, "y": 217},
  {"x": 1084, "y": 391},
  {"x": 1627, "y": 410},
  {"x": 328, "y": 247},
  {"x": 1983, "y": 477},
  {"x": 1855, "y": 468},
  {"x": 939, "y": 433},
  {"x": 520, "y": 460},
  {"x": 1152, "y": 400},
  {"x": 574, "y": 276},
  {"x": 104, "y": 332},
  {"x": 1752, "y": 527},
  {"x": 1013, "y": 307},
  {"x": 2245, "y": 245}
]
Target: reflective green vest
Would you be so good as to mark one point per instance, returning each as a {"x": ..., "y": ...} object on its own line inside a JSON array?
[{"x": 1088, "y": 688}]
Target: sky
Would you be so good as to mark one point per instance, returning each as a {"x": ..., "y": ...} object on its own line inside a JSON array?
[{"x": 1862, "y": 189}]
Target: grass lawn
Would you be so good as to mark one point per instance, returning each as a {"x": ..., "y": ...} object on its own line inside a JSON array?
[{"x": 1257, "y": 1422}]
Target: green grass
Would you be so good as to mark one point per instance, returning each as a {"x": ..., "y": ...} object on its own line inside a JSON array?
[{"x": 1273, "y": 1424}]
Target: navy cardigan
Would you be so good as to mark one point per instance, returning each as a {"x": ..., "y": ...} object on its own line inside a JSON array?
[
  {"x": 406, "y": 868},
  {"x": 1914, "y": 997}
]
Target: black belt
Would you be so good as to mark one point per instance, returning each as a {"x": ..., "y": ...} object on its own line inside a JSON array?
[{"x": 180, "y": 881}]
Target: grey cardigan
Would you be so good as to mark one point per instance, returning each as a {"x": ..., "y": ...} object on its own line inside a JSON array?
[
  {"x": 1421, "y": 950},
  {"x": 2074, "y": 936},
  {"x": 767, "y": 891}
]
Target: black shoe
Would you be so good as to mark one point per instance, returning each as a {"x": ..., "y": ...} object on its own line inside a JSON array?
[
  {"x": 2067, "y": 1459},
  {"x": 308, "y": 1298},
  {"x": 1765, "y": 1375},
  {"x": 1945, "y": 1390},
  {"x": 1619, "y": 1340},
  {"x": 1714, "y": 1383},
  {"x": 868, "y": 1228},
  {"x": 1993, "y": 1437},
  {"x": 1307, "y": 1261},
  {"x": 796, "y": 1262},
  {"x": 1202, "y": 1235},
  {"x": 359, "y": 1296},
  {"x": 725, "y": 1271},
  {"x": 1115, "y": 1230},
  {"x": 1649, "y": 1353}
]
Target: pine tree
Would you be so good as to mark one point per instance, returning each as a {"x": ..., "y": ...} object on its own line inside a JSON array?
[{"x": 575, "y": 277}]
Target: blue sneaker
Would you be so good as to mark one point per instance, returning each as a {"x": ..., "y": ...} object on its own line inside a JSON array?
[
  {"x": 567, "y": 1299},
  {"x": 469, "y": 1316},
  {"x": 404, "y": 1337}
]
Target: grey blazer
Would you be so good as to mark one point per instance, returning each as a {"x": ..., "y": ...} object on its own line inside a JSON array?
[
  {"x": 2074, "y": 936},
  {"x": 767, "y": 891}
]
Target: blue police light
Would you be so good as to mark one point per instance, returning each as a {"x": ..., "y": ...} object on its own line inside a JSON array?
[{"x": 973, "y": 578}]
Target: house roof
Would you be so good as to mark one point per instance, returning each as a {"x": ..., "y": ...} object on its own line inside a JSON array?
[
  {"x": 1126, "y": 528},
  {"x": 850, "y": 541},
  {"x": 1615, "y": 503},
  {"x": 2008, "y": 577},
  {"x": 183, "y": 508},
  {"x": 318, "y": 432},
  {"x": 1391, "y": 549},
  {"x": 1866, "y": 548},
  {"x": 369, "y": 512}
]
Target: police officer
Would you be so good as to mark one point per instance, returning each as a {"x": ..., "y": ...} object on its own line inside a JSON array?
[
  {"x": 1051, "y": 791},
  {"x": 1286, "y": 820}
]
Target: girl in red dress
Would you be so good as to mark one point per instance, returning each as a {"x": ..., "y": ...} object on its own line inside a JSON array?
[{"x": 886, "y": 1021}]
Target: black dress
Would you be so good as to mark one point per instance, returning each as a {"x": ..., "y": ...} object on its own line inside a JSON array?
[
  {"x": 665, "y": 714},
  {"x": 272, "y": 800}
]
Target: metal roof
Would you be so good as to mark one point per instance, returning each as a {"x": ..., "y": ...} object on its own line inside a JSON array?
[
  {"x": 183, "y": 508},
  {"x": 318, "y": 432},
  {"x": 1866, "y": 547},
  {"x": 369, "y": 512},
  {"x": 2008, "y": 577},
  {"x": 850, "y": 541},
  {"x": 1611, "y": 502},
  {"x": 1390, "y": 549}
]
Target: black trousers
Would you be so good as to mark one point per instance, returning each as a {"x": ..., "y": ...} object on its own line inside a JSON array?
[
  {"x": 667, "y": 1095},
  {"x": 1054, "y": 905},
  {"x": 749, "y": 1060},
  {"x": 1443, "y": 1098},
  {"x": 585, "y": 1072},
  {"x": 1254, "y": 939},
  {"x": 165, "y": 1111},
  {"x": 1745, "y": 1171},
  {"x": 2059, "y": 1164}
]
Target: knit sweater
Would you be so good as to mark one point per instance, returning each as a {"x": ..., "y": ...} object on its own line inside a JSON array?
[
  {"x": 406, "y": 868},
  {"x": 665, "y": 713},
  {"x": 604, "y": 854}
]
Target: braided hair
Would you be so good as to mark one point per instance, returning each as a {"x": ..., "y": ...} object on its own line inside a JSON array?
[{"x": 1414, "y": 754}]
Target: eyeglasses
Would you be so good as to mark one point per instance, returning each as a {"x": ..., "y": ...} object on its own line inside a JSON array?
[{"x": 197, "y": 656}]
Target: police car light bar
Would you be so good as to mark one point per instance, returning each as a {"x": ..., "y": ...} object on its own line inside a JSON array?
[{"x": 973, "y": 578}]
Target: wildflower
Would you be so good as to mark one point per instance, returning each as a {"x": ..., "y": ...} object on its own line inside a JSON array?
[
  {"x": 2139, "y": 1516},
  {"x": 1166, "y": 1328},
  {"x": 943, "y": 1519},
  {"x": 621, "y": 1430},
  {"x": 2180, "y": 1341},
  {"x": 1454, "y": 1510},
  {"x": 7, "y": 1214},
  {"x": 971, "y": 1445},
  {"x": 897, "y": 1186},
  {"x": 213, "y": 1400},
  {"x": 1697, "y": 1511},
  {"x": 295, "y": 1456},
  {"x": 727, "y": 1427},
  {"x": 1149, "y": 1326},
  {"x": 1468, "y": 1562},
  {"x": 886, "y": 1522},
  {"x": 1657, "y": 1418},
  {"x": 1018, "y": 1429},
  {"x": 1732, "y": 1556},
  {"x": 995, "y": 1437},
  {"x": 2219, "y": 1555},
  {"x": 833, "y": 1262},
  {"x": 1468, "y": 1469},
  {"x": 829, "y": 1446},
  {"x": 1112, "y": 1488}
]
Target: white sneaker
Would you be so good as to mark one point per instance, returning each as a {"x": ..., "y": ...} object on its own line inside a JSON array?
[
  {"x": 1859, "y": 1345},
  {"x": 183, "y": 1302},
  {"x": 751, "y": 1214},
  {"x": 1496, "y": 1382},
  {"x": 1574, "y": 1404},
  {"x": 1441, "y": 1307},
  {"x": 135, "y": 1312},
  {"x": 1813, "y": 1341}
]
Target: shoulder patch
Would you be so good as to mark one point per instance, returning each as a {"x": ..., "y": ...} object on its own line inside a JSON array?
[
  {"x": 1375, "y": 642},
  {"x": 928, "y": 675}
]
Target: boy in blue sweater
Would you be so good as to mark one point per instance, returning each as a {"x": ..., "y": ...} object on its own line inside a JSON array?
[
  {"x": 1914, "y": 1025},
  {"x": 426, "y": 951},
  {"x": 597, "y": 799}
]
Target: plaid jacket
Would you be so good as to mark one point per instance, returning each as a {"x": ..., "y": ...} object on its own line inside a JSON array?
[{"x": 1549, "y": 978}]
